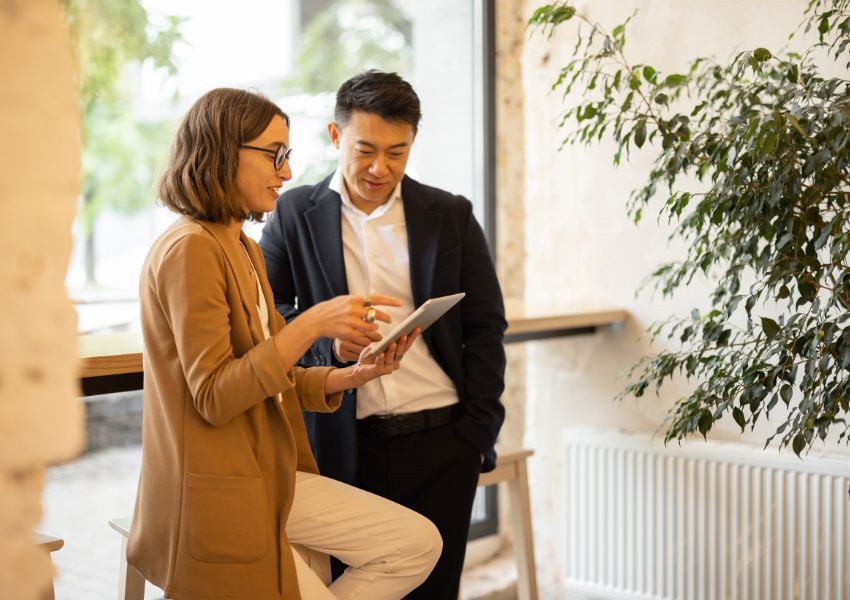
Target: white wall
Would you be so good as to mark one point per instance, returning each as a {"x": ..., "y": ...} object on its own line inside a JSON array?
[{"x": 581, "y": 249}]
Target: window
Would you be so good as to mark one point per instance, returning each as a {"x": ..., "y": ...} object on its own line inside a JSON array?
[{"x": 165, "y": 54}]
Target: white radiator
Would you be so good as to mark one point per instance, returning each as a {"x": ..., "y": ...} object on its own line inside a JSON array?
[{"x": 702, "y": 521}]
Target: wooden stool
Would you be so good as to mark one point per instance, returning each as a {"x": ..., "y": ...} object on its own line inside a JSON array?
[
  {"x": 48, "y": 544},
  {"x": 512, "y": 470},
  {"x": 131, "y": 584}
]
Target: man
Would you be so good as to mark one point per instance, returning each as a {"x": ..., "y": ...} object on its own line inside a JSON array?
[{"x": 421, "y": 437}]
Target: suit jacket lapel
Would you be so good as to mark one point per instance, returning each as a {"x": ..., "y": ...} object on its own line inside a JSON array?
[
  {"x": 423, "y": 236},
  {"x": 323, "y": 222}
]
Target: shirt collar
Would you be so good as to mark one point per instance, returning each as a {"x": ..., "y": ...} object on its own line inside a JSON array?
[{"x": 337, "y": 184}]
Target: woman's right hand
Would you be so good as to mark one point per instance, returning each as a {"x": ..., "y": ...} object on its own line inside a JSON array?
[{"x": 344, "y": 317}]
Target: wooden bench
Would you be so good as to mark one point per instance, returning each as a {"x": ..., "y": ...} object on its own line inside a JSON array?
[
  {"x": 48, "y": 544},
  {"x": 512, "y": 470}
]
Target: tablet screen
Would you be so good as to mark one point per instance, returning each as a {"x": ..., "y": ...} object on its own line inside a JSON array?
[{"x": 422, "y": 317}]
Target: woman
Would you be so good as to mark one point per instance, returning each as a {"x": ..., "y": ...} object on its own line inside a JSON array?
[{"x": 224, "y": 446}]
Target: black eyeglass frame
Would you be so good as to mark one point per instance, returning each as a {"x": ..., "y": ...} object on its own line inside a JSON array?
[{"x": 281, "y": 154}]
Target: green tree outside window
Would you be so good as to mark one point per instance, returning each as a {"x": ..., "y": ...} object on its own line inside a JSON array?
[{"x": 120, "y": 155}]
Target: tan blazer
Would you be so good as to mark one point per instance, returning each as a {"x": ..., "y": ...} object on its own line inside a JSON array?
[{"x": 219, "y": 450}]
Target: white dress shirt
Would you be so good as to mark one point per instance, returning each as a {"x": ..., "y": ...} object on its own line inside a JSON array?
[{"x": 377, "y": 261}]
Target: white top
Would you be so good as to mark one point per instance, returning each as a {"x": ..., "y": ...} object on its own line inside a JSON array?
[
  {"x": 262, "y": 308},
  {"x": 377, "y": 261}
]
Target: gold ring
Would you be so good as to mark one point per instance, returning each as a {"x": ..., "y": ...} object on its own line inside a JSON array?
[
  {"x": 370, "y": 315},
  {"x": 367, "y": 301},
  {"x": 398, "y": 357}
]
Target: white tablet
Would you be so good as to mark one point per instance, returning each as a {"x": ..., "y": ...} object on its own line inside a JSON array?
[{"x": 422, "y": 317}]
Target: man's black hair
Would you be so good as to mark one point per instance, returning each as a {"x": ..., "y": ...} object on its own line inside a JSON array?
[{"x": 384, "y": 94}]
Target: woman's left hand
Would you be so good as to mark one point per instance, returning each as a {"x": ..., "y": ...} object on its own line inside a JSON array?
[{"x": 385, "y": 363}]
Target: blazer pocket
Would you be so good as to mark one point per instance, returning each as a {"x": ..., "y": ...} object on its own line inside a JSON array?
[{"x": 228, "y": 518}]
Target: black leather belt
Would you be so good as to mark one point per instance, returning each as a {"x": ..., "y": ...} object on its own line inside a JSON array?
[{"x": 385, "y": 426}]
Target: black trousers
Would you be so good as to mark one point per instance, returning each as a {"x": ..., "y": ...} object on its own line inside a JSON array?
[{"x": 435, "y": 473}]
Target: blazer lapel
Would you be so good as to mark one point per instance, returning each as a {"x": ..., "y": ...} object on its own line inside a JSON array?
[
  {"x": 233, "y": 253},
  {"x": 267, "y": 296},
  {"x": 323, "y": 223},
  {"x": 423, "y": 236}
]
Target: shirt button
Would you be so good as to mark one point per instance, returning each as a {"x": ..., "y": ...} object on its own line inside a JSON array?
[{"x": 320, "y": 360}]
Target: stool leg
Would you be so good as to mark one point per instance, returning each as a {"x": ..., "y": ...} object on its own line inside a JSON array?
[
  {"x": 523, "y": 539},
  {"x": 49, "y": 593},
  {"x": 131, "y": 584}
]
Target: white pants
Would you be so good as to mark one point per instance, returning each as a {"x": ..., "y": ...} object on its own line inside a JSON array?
[{"x": 390, "y": 549}]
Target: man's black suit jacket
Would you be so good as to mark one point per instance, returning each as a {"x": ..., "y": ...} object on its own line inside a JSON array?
[{"x": 302, "y": 246}]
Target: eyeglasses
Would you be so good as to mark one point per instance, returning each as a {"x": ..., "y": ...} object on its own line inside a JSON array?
[{"x": 281, "y": 155}]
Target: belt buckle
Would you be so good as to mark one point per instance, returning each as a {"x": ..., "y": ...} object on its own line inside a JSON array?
[
  {"x": 413, "y": 422},
  {"x": 385, "y": 426}
]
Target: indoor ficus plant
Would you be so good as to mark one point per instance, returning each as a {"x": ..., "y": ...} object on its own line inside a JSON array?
[{"x": 752, "y": 165}]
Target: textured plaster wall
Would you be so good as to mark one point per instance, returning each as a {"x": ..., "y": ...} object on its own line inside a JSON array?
[
  {"x": 579, "y": 247},
  {"x": 510, "y": 208},
  {"x": 40, "y": 417}
]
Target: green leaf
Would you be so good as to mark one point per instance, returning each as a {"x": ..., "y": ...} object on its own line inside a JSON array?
[
  {"x": 749, "y": 304},
  {"x": 640, "y": 133},
  {"x": 705, "y": 422},
  {"x": 762, "y": 54},
  {"x": 754, "y": 64},
  {"x": 738, "y": 415},
  {"x": 552, "y": 15},
  {"x": 799, "y": 444},
  {"x": 785, "y": 393},
  {"x": 675, "y": 80},
  {"x": 770, "y": 327},
  {"x": 634, "y": 83},
  {"x": 773, "y": 400},
  {"x": 796, "y": 124},
  {"x": 807, "y": 291},
  {"x": 793, "y": 74},
  {"x": 649, "y": 74}
]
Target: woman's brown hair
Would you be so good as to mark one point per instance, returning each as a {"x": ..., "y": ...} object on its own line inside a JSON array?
[{"x": 200, "y": 179}]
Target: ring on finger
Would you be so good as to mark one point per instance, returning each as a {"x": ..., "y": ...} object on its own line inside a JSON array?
[
  {"x": 367, "y": 301},
  {"x": 370, "y": 315},
  {"x": 398, "y": 357}
]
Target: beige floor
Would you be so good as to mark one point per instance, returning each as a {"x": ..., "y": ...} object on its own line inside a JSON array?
[{"x": 79, "y": 499}]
